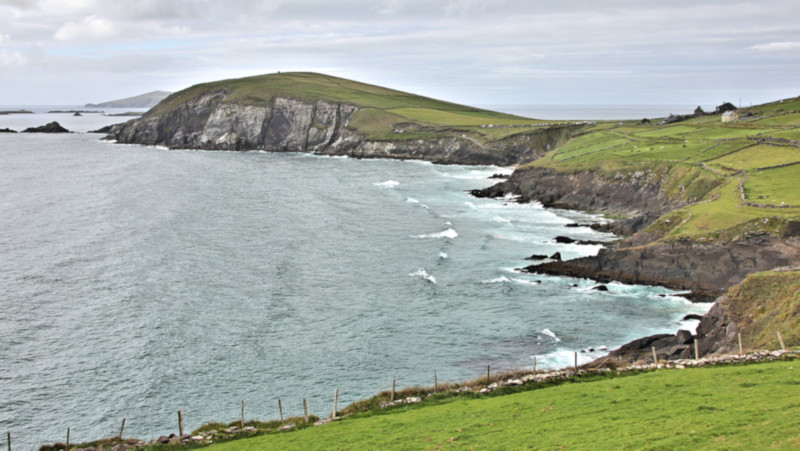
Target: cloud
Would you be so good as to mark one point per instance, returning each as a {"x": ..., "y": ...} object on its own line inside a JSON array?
[
  {"x": 776, "y": 46},
  {"x": 91, "y": 28},
  {"x": 12, "y": 59}
]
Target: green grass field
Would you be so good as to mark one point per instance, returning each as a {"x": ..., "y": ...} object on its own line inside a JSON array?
[
  {"x": 725, "y": 407},
  {"x": 724, "y": 154}
]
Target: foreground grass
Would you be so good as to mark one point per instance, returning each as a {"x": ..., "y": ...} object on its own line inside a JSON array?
[{"x": 725, "y": 407}]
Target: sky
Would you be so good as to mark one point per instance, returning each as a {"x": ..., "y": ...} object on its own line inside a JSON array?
[{"x": 474, "y": 52}]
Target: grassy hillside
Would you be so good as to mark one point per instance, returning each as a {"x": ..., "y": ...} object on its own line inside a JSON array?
[
  {"x": 385, "y": 114},
  {"x": 765, "y": 303},
  {"x": 725, "y": 407},
  {"x": 743, "y": 175}
]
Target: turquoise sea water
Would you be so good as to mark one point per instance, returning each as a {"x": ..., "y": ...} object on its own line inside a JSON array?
[{"x": 138, "y": 281}]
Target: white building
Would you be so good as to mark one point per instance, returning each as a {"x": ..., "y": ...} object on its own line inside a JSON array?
[{"x": 730, "y": 116}]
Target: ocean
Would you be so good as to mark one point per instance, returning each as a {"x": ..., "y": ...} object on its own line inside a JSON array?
[{"x": 138, "y": 281}]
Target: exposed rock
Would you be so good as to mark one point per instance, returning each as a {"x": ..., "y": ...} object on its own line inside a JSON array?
[
  {"x": 210, "y": 122},
  {"x": 792, "y": 229},
  {"x": 706, "y": 269},
  {"x": 536, "y": 257},
  {"x": 640, "y": 198},
  {"x": 53, "y": 127},
  {"x": 717, "y": 332},
  {"x": 692, "y": 316},
  {"x": 287, "y": 427},
  {"x": 7, "y": 130},
  {"x": 600, "y": 288},
  {"x": 556, "y": 256},
  {"x": 684, "y": 337},
  {"x": 564, "y": 240}
]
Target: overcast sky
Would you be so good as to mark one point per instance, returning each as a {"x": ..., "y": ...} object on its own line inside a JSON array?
[{"x": 476, "y": 52}]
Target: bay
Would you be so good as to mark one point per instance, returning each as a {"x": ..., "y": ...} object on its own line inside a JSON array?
[{"x": 138, "y": 281}]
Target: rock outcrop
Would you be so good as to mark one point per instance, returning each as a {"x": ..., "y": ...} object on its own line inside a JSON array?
[
  {"x": 639, "y": 198},
  {"x": 288, "y": 125},
  {"x": 708, "y": 270},
  {"x": 52, "y": 127}
]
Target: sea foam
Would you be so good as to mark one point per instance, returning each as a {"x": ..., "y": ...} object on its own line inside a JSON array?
[
  {"x": 424, "y": 275},
  {"x": 449, "y": 233}
]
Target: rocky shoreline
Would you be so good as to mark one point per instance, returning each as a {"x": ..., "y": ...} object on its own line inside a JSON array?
[{"x": 708, "y": 269}]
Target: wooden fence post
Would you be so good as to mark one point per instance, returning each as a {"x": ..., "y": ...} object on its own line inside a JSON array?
[
  {"x": 655, "y": 357},
  {"x": 243, "y": 414},
  {"x": 305, "y": 410},
  {"x": 335, "y": 404},
  {"x": 534, "y": 364},
  {"x": 9, "y": 441},
  {"x": 435, "y": 382},
  {"x": 66, "y": 448},
  {"x": 488, "y": 372},
  {"x": 393, "y": 382},
  {"x": 180, "y": 423},
  {"x": 783, "y": 346},
  {"x": 576, "y": 363},
  {"x": 121, "y": 429},
  {"x": 696, "y": 351},
  {"x": 740, "y": 343},
  {"x": 280, "y": 409}
]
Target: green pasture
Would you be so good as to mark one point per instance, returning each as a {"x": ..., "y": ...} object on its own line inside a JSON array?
[
  {"x": 724, "y": 407},
  {"x": 777, "y": 186},
  {"x": 758, "y": 156}
]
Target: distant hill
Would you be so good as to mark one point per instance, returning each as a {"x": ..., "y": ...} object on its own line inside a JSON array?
[
  {"x": 147, "y": 100},
  {"x": 308, "y": 112}
]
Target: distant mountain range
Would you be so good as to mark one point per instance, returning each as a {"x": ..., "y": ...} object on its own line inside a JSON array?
[{"x": 147, "y": 100}]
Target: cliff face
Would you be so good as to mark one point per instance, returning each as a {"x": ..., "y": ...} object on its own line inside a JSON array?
[
  {"x": 708, "y": 270},
  {"x": 208, "y": 122},
  {"x": 640, "y": 198}
]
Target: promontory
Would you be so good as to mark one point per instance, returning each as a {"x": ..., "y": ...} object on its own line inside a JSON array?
[{"x": 308, "y": 112}]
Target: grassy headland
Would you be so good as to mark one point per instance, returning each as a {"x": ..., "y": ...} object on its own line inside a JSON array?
[
  {"x": 384, "y": 114},
  {"x": 740, "y": 177}
]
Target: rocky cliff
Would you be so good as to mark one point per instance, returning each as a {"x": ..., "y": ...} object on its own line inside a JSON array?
[
  {"x": 639, "y": 198},
  {"x": 211, "y": 122},
  {"x": 708, "y": 270}
]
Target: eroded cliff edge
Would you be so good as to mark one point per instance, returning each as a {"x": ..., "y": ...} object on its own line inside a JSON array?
[
  {"x": 647, "y": 202},
  {"x": 210, "y": 122}
]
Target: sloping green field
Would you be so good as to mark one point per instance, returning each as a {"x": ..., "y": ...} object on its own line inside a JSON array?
[
  {"x": 726, "y": 154},
  {"x": 726, "y": 407}
]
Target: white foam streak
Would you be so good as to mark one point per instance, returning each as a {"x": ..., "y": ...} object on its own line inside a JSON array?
[
  {"x": 449, "y": 233},
  {"x": 387, "y": 184},
  {"x": 551, "y": 334},
  {"x": 424, "y": 275},
  {"x": 443, "y": 255},
  {"x": 501, "y": 279}
]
